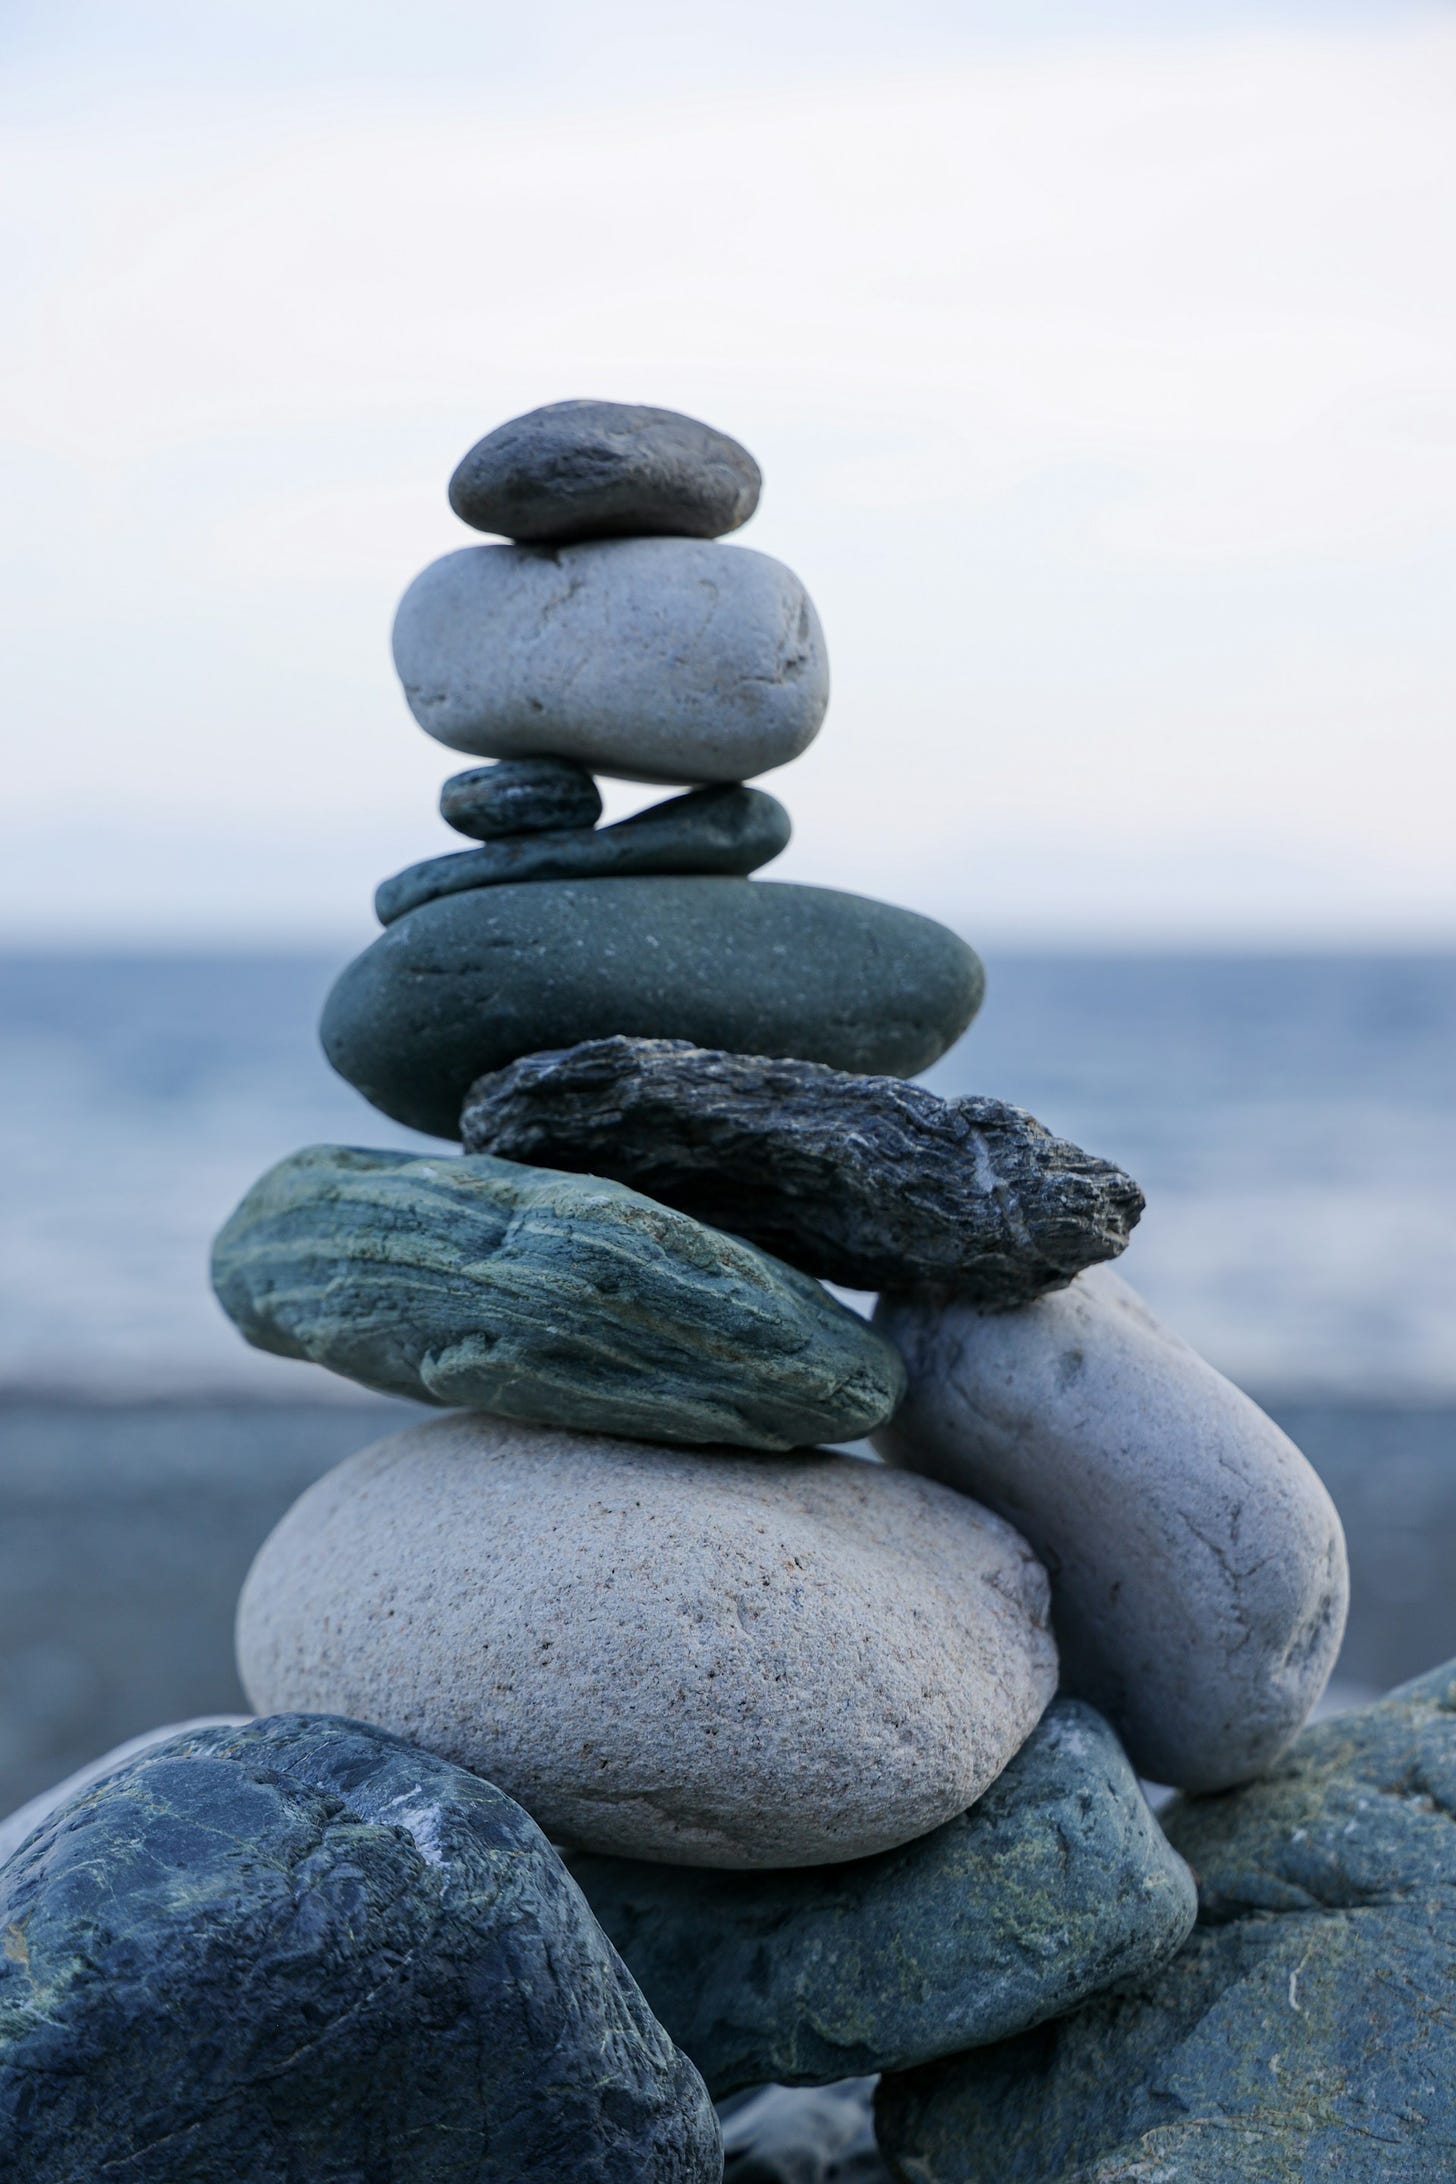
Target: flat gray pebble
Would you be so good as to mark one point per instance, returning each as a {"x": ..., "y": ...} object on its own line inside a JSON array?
[{"x": 520, "y": 796}]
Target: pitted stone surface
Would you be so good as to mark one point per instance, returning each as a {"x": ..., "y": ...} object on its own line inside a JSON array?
[{"x": 711, "y": 1659}]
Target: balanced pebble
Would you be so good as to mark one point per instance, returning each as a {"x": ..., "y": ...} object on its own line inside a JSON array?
[
  {"x": 575, "y": 470},
  {"x": 520, "y": 796}
]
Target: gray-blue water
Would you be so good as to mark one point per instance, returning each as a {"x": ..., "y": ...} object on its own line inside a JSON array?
[{"x": 1289, "y": 1117}]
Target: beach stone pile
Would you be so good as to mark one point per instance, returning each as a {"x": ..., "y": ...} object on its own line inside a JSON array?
[{"x": 632, "y": 1737}]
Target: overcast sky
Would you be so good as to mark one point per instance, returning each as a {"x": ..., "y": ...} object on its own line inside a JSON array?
[{"x": 1104, "y": 383}]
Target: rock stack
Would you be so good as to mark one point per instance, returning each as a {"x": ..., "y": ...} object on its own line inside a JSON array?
[{"x": 841, "y": 1753}]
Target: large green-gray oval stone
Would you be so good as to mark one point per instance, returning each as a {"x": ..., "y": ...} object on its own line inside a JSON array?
[
  {"x": 466, "y": 984},
  {"x": 559, "y": 1300}
]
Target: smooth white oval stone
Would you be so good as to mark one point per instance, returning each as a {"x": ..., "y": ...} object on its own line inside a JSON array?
[
  {"x": 703, "y": 1658},
  {"x": 1199, "y": 1580},
  {"x": 653, "y": 659}
]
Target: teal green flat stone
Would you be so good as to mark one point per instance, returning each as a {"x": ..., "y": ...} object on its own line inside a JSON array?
[
  {"x": 556, "y": 1299},
  {"x": 471, "y": 981}
]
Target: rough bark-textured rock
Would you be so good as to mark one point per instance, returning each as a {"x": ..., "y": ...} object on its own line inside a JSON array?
[
  {"x": 468, "y": 983},
  {"x": 1307, "y": 2030},
  {"x": 655, "y": 659},
  {"x": 302, "y": 1950},
  {"x": 1199, "y": 1581},
  {"x": 1055, "y": 1883},
  {"x": 861, "y": 1180},
  {"x": 725, "y": 1660},
  {"x": 803, "y": 2135},
  {"x": 605, "y": 470},
  {"x": 556, "y": 1298},
  {"x": 732, "y": 830},
  {"x": 520, "y": 796}
]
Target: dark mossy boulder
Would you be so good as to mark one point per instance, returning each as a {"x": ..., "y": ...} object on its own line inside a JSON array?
[
  {"x": 303, "y": 1950},
  {"x": 467, "y": 983},
  {"x": 1308, "y": 2028},
  {"x": 1057, "y": 1881}
]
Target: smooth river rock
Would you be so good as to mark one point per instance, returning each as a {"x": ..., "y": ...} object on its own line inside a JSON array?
[
  {"x": 468, "y": 983},
  {"x": 561, "y": 1299},
  {"x": 1057, "y": 1882},
  {"x": 865, "y": 1181},
  {"x": 1308, "y": 2029},
  {"x": 717, "y": 1661},
  {"x": 520, "y": 796},
  {"x": 732, "y": 830},
  {"x": 655, "y": 659},
  {"x": 1199, "y": 1581},
  {"x": 300, "y": 1949},
  {"x": 574, "y": 470}
]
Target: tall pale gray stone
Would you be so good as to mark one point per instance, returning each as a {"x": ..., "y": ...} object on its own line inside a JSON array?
[
  {"x": 707, "y": 1659},
  {"x": 1199, "y": 1579},
  {"x": 654, "y": 659}
]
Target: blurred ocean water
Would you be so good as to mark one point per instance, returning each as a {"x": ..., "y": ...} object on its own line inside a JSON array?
[{"x": 1289, "y": 1118}]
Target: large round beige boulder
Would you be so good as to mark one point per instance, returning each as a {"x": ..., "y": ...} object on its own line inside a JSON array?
[{"x": 708, "y": 1659}]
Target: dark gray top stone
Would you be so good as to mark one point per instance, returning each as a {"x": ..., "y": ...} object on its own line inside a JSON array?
[
  {"x": 866, "y": 1181},
  {"x": 1308, "y": 2029},
  {"x": 520, "y": 796},
  {"x": 468, "y": 983},
  {"x": 1056, "y": 1882},
  {"x": 732, "y": 830},
  {"x": 584, "y": 469},
  {"x": 303, "y": 1949},
  {"x": 556, "y": 1299}
]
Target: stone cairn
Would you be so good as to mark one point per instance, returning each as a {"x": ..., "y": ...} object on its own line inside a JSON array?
[{"x": 621, "y": 1746}]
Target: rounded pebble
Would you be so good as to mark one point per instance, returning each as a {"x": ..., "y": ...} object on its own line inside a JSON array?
[{"x": 520, "y": 796}]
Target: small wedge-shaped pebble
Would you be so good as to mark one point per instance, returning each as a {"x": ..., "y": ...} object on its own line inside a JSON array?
[
  {"x": 559, "y": 1298},
  {"x": 656, "y": 659},
  {"x": 725, "y": 1660},
  {"x": 861, "y": 1180},
  {"x": 302, "y": 1949},
  {"x": 1306, "y": 2032},
  {"x": 1056, "y": 1883},
  {"x": 520, "y": 796},
  {"x": 587, "y": 469},
  {"x": 1199, "y": 1579},
  {"x": 732, "y": 830}
]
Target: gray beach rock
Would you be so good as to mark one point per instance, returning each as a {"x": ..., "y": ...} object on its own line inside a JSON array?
[
  {"x": 1308, "y": 2029},
  {"x": 574, "y": 470},
  {"x": 865, "y": 1181},
  {"x": 803, "y": 2135},
  {"x": 301, "y": 1949},
  {"x": 466, "y": 984},
  {"x": 520, "y": 796},
  {"x": 1199, "y": 1580},
  {"x": 720, "y": 1660},
  {"x": 656, "y": 659},
  {"x": 732, "y": 830},
  {"x": 1055, "y": 1883},
  {"x": 561, "y": 1299}
]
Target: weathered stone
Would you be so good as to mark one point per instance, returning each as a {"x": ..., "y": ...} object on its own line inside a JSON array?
[
  {"x": 575, "y": 470},
  {"x": 723, "y": 1660},
  {"x": 1307, "y": 2030},
  {"x": 731, "y": 830},
  {"x": 861, "y": 1180},
  {"x": 563, "y": 1299},
  {"x": 27, "y": 1817},
  {"x": 520, "y": 796},
  {"x": 301, "y": 1949},
  {"x": 1055, "y": 1883},
  {"x": 656, "y": 659},
  {"x": 803, "y": 2135},
  {"x": 468, "y": 983},
  {"x": 1199, "y": 1581}
]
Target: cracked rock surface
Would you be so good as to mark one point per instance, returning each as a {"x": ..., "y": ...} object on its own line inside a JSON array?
[
  {"x": 301, "y": 1949},
  {"x": 712, "y": 1659},
  {"x": 556, "y": 1298},
  {"x": 867, "y": 1181},
  {"x": 1055, "y": 1883},
  {"x": 1199, "y": 1579},
  {"x": 653, "y": 659},
  {"x": 1308, "y": 2028}
]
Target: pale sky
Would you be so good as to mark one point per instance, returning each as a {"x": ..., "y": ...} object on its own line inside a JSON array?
[{"x": 1103, "y": 379}]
